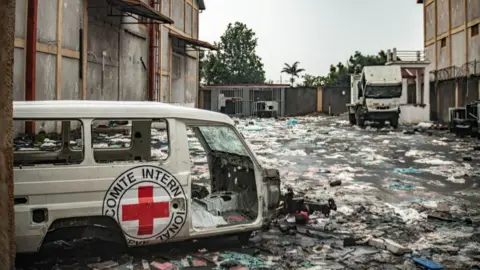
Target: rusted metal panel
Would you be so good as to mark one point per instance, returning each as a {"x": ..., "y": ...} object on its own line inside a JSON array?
[
  {"x": 31, "y": 57},
  {"x": 151, "y": 58}
]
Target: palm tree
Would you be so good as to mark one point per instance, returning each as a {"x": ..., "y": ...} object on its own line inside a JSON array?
[{"x": 293, "y": 71}]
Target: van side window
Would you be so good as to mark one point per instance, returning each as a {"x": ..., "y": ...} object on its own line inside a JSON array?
[
  {"x": 130, "y": 140},
  {"x": 58, "y": 142}
]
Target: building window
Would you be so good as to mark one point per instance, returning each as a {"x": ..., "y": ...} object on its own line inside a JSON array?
[
  {"x": 474, "y": 30},
  {"x": 443, "y": 42}
]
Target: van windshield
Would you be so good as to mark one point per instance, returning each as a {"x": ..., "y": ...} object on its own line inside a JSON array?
[
  {"x": 223, "y": 139},
  {"x": 391, "y": 91}
]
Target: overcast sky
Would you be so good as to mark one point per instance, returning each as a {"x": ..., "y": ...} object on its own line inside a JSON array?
[{"x": 317, "y": 32}]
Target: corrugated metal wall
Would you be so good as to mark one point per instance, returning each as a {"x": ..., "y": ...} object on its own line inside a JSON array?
[{"x": 335, "y": 99}]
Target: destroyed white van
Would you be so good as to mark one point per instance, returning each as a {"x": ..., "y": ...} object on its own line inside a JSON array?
[{"x": 139, "y": 173}]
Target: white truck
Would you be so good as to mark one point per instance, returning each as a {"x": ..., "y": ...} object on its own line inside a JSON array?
[{"x": 375, "y": 95}]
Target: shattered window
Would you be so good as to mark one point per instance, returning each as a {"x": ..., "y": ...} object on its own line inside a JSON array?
[
  {"x": 117, "y": 140},
  {"x": 223, "y": 139},
  {"x": 48, "y": 142}
]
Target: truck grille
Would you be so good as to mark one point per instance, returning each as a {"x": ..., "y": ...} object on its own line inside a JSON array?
[{"x": 383, "y": 107}]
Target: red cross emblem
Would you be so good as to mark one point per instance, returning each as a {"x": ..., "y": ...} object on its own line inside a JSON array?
[{"x": 146, "y": 211}]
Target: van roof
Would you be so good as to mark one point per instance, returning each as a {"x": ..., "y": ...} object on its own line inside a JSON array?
[{"x": 76, "y": 109}]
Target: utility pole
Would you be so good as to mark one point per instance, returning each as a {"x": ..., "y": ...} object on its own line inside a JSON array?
[{"x": 7, "y": 223}]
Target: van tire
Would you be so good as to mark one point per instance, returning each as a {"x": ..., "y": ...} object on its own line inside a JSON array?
[
  {"x": 351, "y": 118},
  {"x": 244, "y": 238},
  {"x": 360, "y": 122}
]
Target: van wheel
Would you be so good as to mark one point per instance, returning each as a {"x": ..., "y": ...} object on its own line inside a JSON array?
[
  {"x": 351, "y": 118},
  {"x": 360, "y": 122},
  {"x": 244, "y": 237}
]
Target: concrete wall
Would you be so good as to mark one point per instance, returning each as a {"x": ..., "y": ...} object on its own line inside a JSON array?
[
  {"x": 473, "y": 9},
  {"x": 414, "y": 114},
  {"x": 458, "y": 13},
  {"x": 300, "y": 101},
  {"x": 473, "y": 46},
  {"x": 430, "y": 21},
  {"x": 442, "y": 16},
  {"x": 443, "y": 54},
  {"x": 449, "y": 23},
  {"x": 458, "y": 49},
  {"x": 430, "y": 56}
]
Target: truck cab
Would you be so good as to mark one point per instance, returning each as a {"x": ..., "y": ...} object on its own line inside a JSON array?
[{"x": 376, "y": 95}]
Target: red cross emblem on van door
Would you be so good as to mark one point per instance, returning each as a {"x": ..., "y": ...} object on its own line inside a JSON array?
[{"x": 146, "y": 211}]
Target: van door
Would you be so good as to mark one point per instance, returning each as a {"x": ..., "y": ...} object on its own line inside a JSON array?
[
  {"x": 227, "y": 184},
  {"x": 116, "y": 175},
  {"x": 148, "y": 196}
]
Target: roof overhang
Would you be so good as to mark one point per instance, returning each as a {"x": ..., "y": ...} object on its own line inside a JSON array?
[
  {"x": 419, "y": 1},
  {"x": 139, "y": 8},
  {"x": 201, "y": 4},
  {"x": 194, "y": 42}
]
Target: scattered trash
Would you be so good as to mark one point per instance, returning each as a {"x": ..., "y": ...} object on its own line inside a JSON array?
[
  {"x": 301, "y": 218},
  {"x": 231, "y": 259},
  {"x": 164, "y": 266},
  {"x": 325, "y": 162},
  {"x": 103, "y": 265},
  {"x": 402, "y": 187},
  {"x": 335, "y": 183},
  {"x": 427, "y": 264},
  {"x": 291, "y": 122},
  {"x": 406, "y": 170},
  {"x": 145, "y": 265}
]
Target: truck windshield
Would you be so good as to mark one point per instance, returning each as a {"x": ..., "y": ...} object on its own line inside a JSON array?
[{"x": 392, "y": 91}]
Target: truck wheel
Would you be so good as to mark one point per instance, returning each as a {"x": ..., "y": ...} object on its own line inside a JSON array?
[
  {"x": 360, "y": 122},
  {"x": 394, "y": 122},
  {"x": 352, "y": 119}
]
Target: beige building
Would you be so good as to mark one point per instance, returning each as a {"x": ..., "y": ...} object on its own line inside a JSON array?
[{"x": 451, "y": 31}]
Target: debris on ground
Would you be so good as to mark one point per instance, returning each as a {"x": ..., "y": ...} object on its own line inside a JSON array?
[{"x": 353, "y": 199}]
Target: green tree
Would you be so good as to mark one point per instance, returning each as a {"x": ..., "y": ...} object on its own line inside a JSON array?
[
  {"x": 314, "y": 81},
  {"x": 357, "y": 61},
  {"x": 236, "y": 60},
  {"x": 293, "y": 71},
  {"x": 340, "y": 73}
]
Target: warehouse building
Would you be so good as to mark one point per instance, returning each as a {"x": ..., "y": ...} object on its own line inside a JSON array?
[
  {"x": 452, "y": 46},
  {"x": 108, "y": 50}
]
